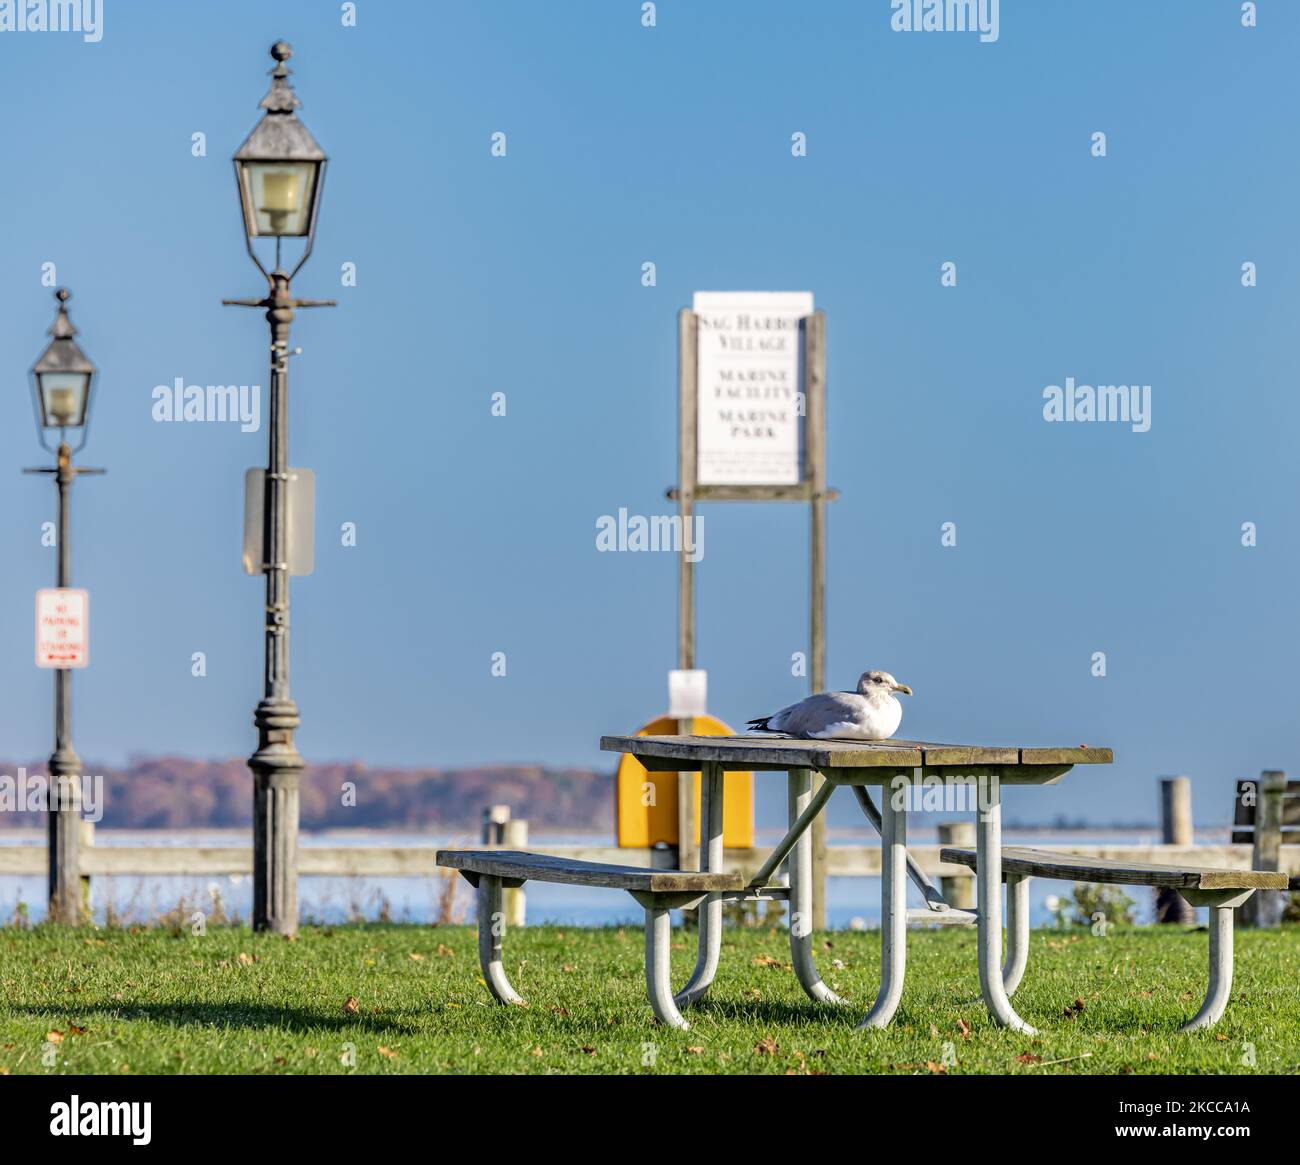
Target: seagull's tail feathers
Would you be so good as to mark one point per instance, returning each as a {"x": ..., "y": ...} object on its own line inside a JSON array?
[{"x": 761, "y": 725}]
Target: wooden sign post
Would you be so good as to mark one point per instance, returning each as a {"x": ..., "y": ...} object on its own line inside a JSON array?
[{"x": 751, "y": 378}]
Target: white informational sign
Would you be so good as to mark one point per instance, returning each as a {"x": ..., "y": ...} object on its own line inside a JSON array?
[
  {"x": 688, "y": 693},
  {"x": 62, "y": 628},
  {"x": 749, "y": 383}
]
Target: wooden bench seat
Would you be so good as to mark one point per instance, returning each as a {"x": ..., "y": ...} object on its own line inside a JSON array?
[
  {"x": 514, "y": 865},
  {"x": 658, "y": 892},
  {"x": 1037, "y": 863},
  {"x": 1221, "y": 890}
]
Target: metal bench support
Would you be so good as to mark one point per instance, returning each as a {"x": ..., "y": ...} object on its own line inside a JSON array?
[
  {"x": 1221, "y": 904},
  {"x": 988, "y": 845},
  {"x": 1013, "y": 969},
  {"x": 491, "y": 932}
]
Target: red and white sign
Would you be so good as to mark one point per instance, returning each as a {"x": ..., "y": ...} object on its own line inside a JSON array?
[{"x": 62, "y": 628}]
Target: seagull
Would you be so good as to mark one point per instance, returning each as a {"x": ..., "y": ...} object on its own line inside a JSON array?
[{"x": 870, "y": 713}]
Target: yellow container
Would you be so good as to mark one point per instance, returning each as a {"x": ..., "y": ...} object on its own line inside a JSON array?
[{"x": 647, "y": 802}]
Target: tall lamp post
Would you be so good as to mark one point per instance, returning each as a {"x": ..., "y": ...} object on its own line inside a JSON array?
[
  {"x": 61, "y": 382},
  {"x": 279, "y": 170}
]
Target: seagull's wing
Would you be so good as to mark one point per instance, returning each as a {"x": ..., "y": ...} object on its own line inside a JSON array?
[{"x": 817, "y": 713}]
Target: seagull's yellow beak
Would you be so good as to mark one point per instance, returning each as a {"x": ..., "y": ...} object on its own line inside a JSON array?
[{"x": 903, "y": 688}]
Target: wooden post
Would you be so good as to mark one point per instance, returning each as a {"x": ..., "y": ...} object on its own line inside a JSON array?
[
  {"x": 1175, "y": 829},
  {"x": 494, "y": 824},
  {"x": 1264, "y": 907},
  {"x": 958, "y": 892},
  {"x": 688, "y": 325},
  {"x": 514, "y": 836},
  {"x": 87, "y": 840},
  {"x": 815, "y": 454}
]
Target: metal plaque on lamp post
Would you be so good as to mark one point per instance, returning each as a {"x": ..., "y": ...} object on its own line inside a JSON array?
[{"x": 300, "y": 523}]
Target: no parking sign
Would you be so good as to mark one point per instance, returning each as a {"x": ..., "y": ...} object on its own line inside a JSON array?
[{"x": 62, "y": 628}]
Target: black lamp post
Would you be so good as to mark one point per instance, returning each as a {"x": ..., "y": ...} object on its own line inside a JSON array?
[
  {"x": 61, "y": 384},
  {"x": 279, "y": 170}
]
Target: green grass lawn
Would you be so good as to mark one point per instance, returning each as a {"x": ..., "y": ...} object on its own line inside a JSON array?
[{"x": 398, "y": 998}]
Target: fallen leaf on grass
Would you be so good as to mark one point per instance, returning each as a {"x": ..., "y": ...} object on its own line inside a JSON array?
[
  {"x": 567, "y": 968},
  {"x": 416, "y": 957},
  {"x": 246, "y": 958},
  {"x": 445, "y": 951},
  {"x": 387, "y": 1053},
  {"x": 963, "y": 1027},
  {"x": 74, "y": 1030},
  {"x": 350, "y": 1006},
  {"x": 1028, "y": 1058},
  {"x": 537, "y": 1050},
  {"x": 768, "y": 961},
  {"x": 694, "y": 1049},
  {"x": 936, "y": 1069},
  {"x": 588, "y": 1049},
  {"x": 54, "y": 1037},
  {"x": 767, "y": 1046},
  {"x": 1220, "y": 1037},
  {"x": 1073, "y": 1009}
]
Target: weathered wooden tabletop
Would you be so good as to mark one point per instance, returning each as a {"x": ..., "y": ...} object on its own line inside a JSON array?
[{"x": 779, "y": 753}]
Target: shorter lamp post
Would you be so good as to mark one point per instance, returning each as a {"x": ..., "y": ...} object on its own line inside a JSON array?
[{"x": 61, "y": 383}]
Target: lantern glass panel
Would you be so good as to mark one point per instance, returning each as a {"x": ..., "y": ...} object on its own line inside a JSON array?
[
  {"x": 278, "y": 197},
  {"x": 63, "y": 399}
]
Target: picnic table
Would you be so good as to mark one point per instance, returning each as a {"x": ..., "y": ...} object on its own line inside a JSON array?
[
  {"x": 966, "y": 778},
  {"x": 971, "y": 777}
]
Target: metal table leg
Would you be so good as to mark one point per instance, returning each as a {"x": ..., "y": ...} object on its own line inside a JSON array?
[
  {"x": 893, "y": 905},
  {"x": 801, "y": 894},
  {"x": 988, "y": 848},
  {"x": 710, "y": 936}
]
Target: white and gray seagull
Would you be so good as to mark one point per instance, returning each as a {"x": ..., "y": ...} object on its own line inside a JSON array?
[{"x": 871, "y": 713}]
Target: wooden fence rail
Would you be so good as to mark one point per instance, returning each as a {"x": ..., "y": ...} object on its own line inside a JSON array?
[{"x": 843, "y": 861}]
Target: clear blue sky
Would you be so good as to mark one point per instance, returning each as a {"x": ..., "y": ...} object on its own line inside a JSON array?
[{"x": 522, "y": 275}]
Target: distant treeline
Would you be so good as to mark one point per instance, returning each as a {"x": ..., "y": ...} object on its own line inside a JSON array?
[{"x": 179, "y": 793}]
